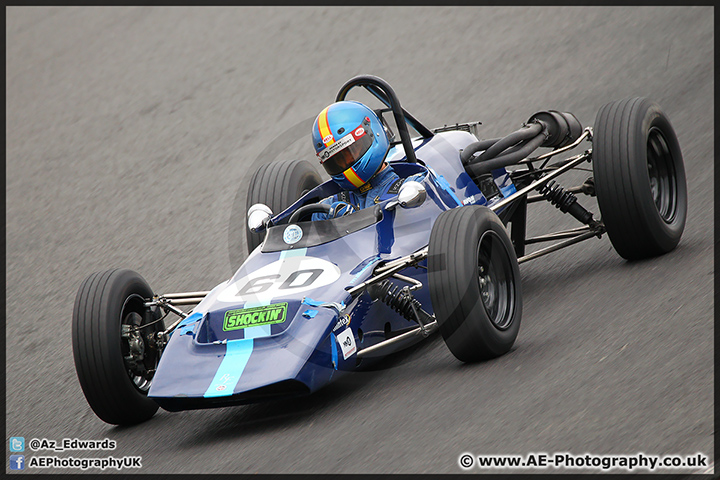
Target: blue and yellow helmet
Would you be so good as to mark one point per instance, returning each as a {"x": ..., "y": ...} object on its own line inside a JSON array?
[{"x": 350, "y": 142}]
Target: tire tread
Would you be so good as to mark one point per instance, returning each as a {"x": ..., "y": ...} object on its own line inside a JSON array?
[{"x": 633, "y": 224}]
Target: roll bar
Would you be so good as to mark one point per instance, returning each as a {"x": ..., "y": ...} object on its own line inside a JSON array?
[{"x": 384, "y": 92}]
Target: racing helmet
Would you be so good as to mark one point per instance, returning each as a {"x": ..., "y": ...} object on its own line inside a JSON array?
[{"x": 350, "y": 142}]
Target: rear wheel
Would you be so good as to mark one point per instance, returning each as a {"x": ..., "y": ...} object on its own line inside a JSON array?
[
  {"x": 639, "y": 178},
  {"x": 113, "y": 346},
  {"x": 278, "y": 185},
  {"x": 474, "y": 282}
]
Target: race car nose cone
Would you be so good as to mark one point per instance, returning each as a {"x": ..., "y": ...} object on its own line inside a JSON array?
[{"x": 194, "y": 374}]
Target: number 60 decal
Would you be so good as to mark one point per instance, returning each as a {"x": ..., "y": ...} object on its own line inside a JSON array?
[
  {"x": 262, "y": 284},
  {"x": 282, "y": 277}
]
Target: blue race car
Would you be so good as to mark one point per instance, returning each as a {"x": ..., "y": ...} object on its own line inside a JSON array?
[{"x": 315, "y": 300}]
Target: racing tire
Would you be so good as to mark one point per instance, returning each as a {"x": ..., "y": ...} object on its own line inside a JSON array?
[
  {"x": 104, "y": 302},
  {"x": 278, "y": 185},
  {"x": 474, "y": 282},
  {"x": 639, "y": 178}
]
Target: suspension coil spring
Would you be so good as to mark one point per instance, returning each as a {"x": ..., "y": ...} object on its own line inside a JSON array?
[
  {"x": 566, "y": 202},
  {"x": 556, "y": 195},
  {"x": 394, "y": 297}
]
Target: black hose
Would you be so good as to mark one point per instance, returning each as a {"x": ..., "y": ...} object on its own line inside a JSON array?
[
  {"x": 479, "y": 168},
  {"x": 467, "y": 153},
  {"x": 515, "y": 148},
  {"x": 496, "y": 146},
  {"x": 525, "y": 133}
]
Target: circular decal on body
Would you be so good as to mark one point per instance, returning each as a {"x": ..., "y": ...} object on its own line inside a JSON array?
[{"x": 292, "y": 234}]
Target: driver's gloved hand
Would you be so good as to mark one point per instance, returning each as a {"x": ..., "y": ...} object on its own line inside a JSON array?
[{"x": 340, "y": 209}]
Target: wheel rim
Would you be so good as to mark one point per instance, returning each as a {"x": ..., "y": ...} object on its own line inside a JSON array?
[
  {"x": 661, "y": 172},
  {"x": 139, "y": 359},
  {"x": 496, "y": 280}
]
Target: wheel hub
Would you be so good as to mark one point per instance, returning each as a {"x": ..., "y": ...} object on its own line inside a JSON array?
[
  {"x": 487, "y": 288},
  {"x": 661, "y": 174},
  {"x": 139, "y": 358},
  {"x": 495, "y": 281}
]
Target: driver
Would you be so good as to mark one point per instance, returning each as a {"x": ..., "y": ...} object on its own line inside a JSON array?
[{"x": 351, "y": 143}]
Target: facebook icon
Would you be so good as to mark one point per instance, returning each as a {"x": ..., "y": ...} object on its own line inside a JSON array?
[{"x": 17, "y": 462}]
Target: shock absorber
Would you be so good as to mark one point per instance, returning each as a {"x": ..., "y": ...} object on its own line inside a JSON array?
[
  {"x": 396, "y": 298},
  {"x": 566, "y": 202}
]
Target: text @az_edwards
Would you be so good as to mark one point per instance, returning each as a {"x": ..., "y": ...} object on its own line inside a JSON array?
[{"x": 66, "y": 444}]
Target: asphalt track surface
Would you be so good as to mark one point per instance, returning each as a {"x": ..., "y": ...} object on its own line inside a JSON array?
[{"x": 130, "y": 132}]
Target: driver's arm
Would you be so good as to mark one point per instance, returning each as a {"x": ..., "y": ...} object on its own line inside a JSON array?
[
  {"x": 418, "y": 177},
  {"x": 323, "y": 216},
  {"x": 338, "y": 209}
]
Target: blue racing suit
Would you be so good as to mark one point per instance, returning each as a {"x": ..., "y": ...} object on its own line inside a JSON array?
[{"x": 382, "y": 186}]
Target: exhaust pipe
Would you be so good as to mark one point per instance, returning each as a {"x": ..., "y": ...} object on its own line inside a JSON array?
[{"x": 562, "y": 128}]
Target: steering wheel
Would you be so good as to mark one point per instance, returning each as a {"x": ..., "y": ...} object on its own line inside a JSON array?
[{"x": 306, "y": 210}]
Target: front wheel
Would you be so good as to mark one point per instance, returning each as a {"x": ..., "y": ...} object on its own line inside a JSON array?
[
  {"x": 639, "y": 178},
  {"x": 474, "y": 282},
  {"x": 113, "y": 345}
]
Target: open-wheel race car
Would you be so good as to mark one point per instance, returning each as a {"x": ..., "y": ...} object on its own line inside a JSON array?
[{"x": 315, "y": 300}]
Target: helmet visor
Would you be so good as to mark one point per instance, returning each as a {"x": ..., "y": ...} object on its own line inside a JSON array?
[{"x": 342, "y": 154}]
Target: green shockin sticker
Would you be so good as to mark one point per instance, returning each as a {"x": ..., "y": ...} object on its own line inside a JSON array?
[{"x": 252, "y": 317}]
